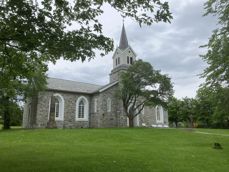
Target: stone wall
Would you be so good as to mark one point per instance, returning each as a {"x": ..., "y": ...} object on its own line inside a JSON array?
[
  {"x": 102, "y": 118},
  {"x": 29, "y": 113},
  {"x": 69, "y": 120},
  {"x": 116, "y": 73},
  {"x": 148, "y": 118}
]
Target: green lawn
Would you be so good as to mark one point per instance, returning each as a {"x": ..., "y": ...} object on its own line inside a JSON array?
[{"x": 113, "y": 150}]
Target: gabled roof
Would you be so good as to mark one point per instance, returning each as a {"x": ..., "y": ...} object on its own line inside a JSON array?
[
  {"x": 71, "y": 86},
  {"x": 123, "y": 44},
  {"x": 104, "y": 88}
]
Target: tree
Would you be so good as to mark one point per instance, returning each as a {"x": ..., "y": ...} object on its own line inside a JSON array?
[
  {"x": 217, "y": 56},
  {"x": 141, "y": 86},
  {"x": 33, "y": 33},
  {"x": 213, "y": 109},
  {"x": 174, "y": 110},
  {"x": 188, "y": 111},
  {"x": 205, "y": 106}
]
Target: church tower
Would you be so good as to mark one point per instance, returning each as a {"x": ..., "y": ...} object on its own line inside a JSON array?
[{"x": 123, "y": 57}]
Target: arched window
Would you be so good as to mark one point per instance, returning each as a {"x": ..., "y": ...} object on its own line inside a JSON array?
[
  {"x": 57, "y": 112},
  {"x": 158, "y": 114},
  {"x": 108, "y": 105},
  {"x": 128, "y": 60},
  {"x": 82, "y": 109},
  {"x": 131, "y": 60},
  {"x": 56, "y": 106},
  {"x": 118, "y": 60},
  {"x": 95, "y": 105}
]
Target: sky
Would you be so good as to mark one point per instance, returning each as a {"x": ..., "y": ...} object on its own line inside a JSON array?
[{"x": 172, "y": 48}]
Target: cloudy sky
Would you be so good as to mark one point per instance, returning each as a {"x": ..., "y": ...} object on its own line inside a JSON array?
[{"x": 172, "y": 48}]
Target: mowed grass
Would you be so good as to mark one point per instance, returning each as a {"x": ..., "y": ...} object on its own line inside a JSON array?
[{"x": 113, "y": 150}]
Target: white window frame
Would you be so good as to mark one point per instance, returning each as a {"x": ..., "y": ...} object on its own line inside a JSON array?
[
  {"x": 61, "y": 107},
  {"x": 86, "y": 109}
]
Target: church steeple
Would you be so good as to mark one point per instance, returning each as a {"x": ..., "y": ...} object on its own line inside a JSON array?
[
  {"x": 123, "y": 57},
  {"x": 123, "y": 43}
]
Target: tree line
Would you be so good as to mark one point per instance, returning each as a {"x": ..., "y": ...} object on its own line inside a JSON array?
[{"x": 209, "y": 109}]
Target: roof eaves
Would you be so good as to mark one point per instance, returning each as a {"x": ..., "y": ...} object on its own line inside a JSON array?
[{"x": 108, "y": 86}]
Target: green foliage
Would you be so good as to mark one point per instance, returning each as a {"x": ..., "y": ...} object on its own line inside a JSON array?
[
  {"x": 214, "y": 105},
  {"x": 209, "y": 109},
  {"x": 213, "y": 96},
  {"x": 15, "y": 115},
  {"x": 113, "y": 150},
  {"x": 33, "y": 33},
  {"x": 188, "y": 111},
  {"x": 174, "y": 111},
  {"x": 217, "y": 56},
  {"x": 184, "y": 111},
  {"x": 205, "y": 106},
  {"x": 142, "y": 85}
]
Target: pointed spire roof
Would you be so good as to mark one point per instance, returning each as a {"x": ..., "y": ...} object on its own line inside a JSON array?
[{"x": 123, "y": 44}]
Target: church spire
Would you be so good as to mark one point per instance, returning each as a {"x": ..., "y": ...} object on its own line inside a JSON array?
[{"x": 123, "y": 44}]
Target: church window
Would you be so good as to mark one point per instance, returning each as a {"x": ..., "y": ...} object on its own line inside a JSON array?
[
  {"x": 128, "y": 60},
  {"x": 57, "y": 114},
  {"x": 108, "y": 105},
  {"x": 118, "y": 60},
  {"x": 56, "y": 107},
  {"x": 131, "y": 60},
  {"x": 95, "y": 105},
  {"x": 82, "y": 109},
  {"x": 158, "y": 114}
]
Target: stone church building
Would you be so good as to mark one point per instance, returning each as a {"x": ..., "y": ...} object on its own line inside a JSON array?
[{"x": 81, "y": 105}]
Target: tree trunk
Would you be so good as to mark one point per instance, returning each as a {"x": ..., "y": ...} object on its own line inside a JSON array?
[
  {"x": 52, "y": 123},
  {"x": 6, "y": 119},
  {"x": 131, "y": 122},
  {"x": 176, "y": 123}
]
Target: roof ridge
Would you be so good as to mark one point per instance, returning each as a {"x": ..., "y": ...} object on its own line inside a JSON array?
[{"x": 74, "y": 81}]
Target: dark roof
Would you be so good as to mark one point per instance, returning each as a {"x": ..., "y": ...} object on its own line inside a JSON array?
[
  {"x": 123, "y": 44},
  {"x": 71, "y": 86}
]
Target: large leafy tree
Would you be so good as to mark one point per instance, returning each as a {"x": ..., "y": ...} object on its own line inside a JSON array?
[
  {"x": 205, "y": 106},
  {"x": 33, "y": 33},
  {"x": 217, "y": 56},
  {"x": 212, "y": 106},
  {"x": 140, "y": 86}
]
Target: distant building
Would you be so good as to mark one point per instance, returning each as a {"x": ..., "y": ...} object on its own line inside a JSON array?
[{"x": 72, "y": 104}]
